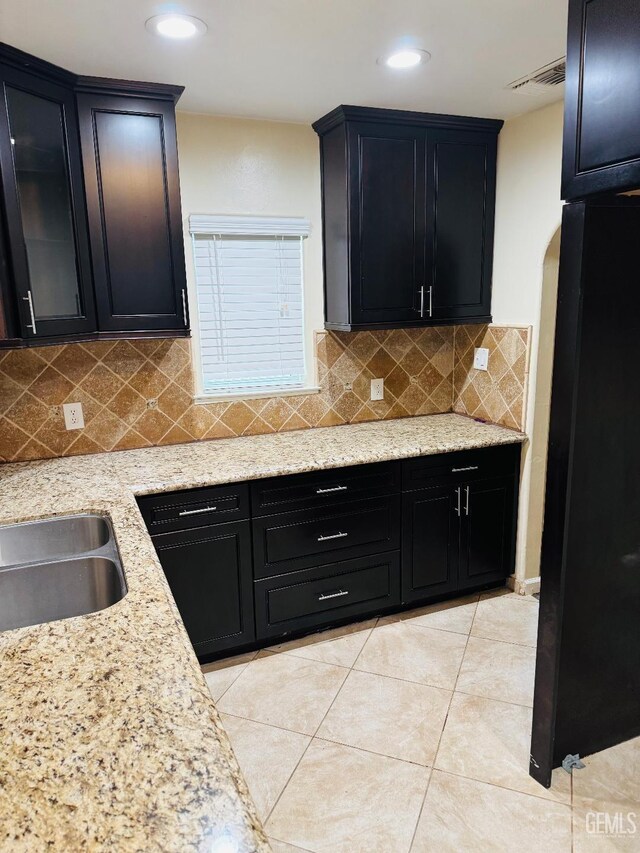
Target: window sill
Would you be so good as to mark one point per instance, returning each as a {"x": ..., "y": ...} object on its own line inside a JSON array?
[{"x": 203, "y": 399}]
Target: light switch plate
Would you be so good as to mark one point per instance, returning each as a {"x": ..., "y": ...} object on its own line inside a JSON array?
[
  {"x": 73, "y": 416},
  {"x": 481, "y": 358},
  {"x": 377, "y": 389}
]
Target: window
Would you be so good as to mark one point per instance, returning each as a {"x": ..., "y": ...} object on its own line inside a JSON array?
[{"x": 249, "y": 283}]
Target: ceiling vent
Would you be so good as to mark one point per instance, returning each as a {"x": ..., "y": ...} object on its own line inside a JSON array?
[{"x": 543, "y": 81}]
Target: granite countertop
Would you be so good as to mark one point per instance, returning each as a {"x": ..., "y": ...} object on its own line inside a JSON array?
[{"x": 109, "y": 739}]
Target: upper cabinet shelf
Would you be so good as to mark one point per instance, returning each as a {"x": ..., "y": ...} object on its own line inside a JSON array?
[
  {"x": 408, "y": 212},
  {"x": 90, "y": 206},
  {"x": 601, "y": 151}
]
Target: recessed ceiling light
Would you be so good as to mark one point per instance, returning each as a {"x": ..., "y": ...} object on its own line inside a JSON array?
[
  {"x": 176, "y": 26},
  {"x": 407, "y": 58}
]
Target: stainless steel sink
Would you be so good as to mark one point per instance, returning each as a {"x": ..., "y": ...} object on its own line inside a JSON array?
[
  {"x": 52, "y": 538},
  {"x": 57, "y": 568}
]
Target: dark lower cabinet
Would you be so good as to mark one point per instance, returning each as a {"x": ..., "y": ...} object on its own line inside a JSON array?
[
  {"x": 458, "y": 529},
  {"x": 487, "y": 532},
  {"x": 209, "y": 572},
  {"x": 429, "y": 543},
  {"x": 252, "y": 563},
  {"x": 335, "y": 593}
]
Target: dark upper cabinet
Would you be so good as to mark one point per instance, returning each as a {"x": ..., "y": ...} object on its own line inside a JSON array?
[
  {"x": 130, "y": 163},
  {"x": 43, "y": 201},
  {"x": 90, "y": 206},
  {"x": 602, "y": 98},
  {"x": 461, "y": 188},
  {"x": 408, "y": 206}
]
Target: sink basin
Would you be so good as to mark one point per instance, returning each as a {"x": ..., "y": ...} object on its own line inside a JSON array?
[
  {"x": 52, "y": 538},
  {"x": 57, "y": 568},
  {"x": 45, "y": 592}
]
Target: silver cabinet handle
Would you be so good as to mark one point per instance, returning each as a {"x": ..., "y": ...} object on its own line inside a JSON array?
[
  {"x": 458, "y": 502},
  {"x": 28, "y": 298},
  {"x": 468, "y": 468},
  {"x": 342, "y": 592},
  {"x": 184, "y": 307},
  {"x": 198, "y": 511},
  {"x": 332, "y": 489},
  {"x": 466, "y": 503},
  {"x": 332, "y": 536},
  {"x": 422, "y": 301},
  {"x": 431, "y": 301}
]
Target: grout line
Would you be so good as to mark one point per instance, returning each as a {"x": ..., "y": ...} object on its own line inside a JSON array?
[
  {"x": 492, "y": 699},
  {"x": 437, "y": 750},
  {"x": 326, "y": 739},
  {"x": 504, "y": 788}
]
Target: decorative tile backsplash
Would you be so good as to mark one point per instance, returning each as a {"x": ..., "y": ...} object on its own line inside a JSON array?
[
  {"x": 498, "y": 394},
  {"x": 140, "y": 393}
]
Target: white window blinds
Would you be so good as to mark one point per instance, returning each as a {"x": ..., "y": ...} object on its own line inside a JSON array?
[{"x": 249, "y": 280}]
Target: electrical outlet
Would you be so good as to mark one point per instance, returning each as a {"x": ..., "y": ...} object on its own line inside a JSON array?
[
  {"x": 377, "y": 389},
  {"x": 481, "y": 358},
  {"x": 73, "y": 416}
]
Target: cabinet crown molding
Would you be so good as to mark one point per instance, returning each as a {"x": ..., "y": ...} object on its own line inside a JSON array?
[{"x": 346, "y": 112}]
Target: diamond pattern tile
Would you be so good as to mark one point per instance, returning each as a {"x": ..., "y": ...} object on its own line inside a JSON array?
[{"x": 426, "y": 371}]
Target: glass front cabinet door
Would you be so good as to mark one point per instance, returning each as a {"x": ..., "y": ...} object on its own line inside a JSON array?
[{"x": 43, "y": 198}]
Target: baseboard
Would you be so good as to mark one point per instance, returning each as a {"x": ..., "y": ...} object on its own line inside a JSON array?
[{"x": 528, "y": 586}]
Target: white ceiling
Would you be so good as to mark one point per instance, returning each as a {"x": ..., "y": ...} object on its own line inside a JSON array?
[{"x": 295, "y": 60}]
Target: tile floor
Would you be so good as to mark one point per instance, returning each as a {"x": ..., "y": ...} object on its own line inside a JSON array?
[{"x": 411, "y": 733}]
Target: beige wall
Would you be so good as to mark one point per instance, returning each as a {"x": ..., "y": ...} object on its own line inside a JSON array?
[
  {"x": 528, "y": 215},
  {"x": 263, "y": 168}
]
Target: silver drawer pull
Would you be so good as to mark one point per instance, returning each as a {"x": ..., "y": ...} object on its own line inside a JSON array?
[
  {"x": 29, "y": 298},
  {"x": 332, "y": 489},
  {"x": 342, "y": 592},
  {"x": 332, "y": 536},
  {"x": 198, "y": 511},
  {"x": 468, "y": 468}
]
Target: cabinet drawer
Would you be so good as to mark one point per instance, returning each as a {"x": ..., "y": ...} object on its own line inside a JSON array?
[
  {"x": 462, "y": 466},
  {"x": 317, "y": 597},
  {"x": 296, "y": 540},
  {"x": 195, "y": 508},
  {"x": 320, "y": 488}
]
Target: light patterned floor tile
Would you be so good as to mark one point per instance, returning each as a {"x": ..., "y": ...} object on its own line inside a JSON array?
[
  {"x": 340, "y": 646},
  {"x": 221, "y": 674},
  {"x": 284, "y": 691},
  {"x": 400, "y": 719},
  {"x": 464, "y": 816},
  {"x": 424, "y": 655},
  {"x": 267, "y": 757},
  {"x": 343, "y": 800},
  {"x": 490, "y": 741},
  {"x": 606, "y": 800},
  {"x": 455, "y": 616},
  {"x": 510, "y": 619},
  {"x": 496, "y": 670}
]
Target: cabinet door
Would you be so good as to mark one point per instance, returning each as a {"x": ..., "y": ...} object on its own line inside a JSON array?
[
  {"x": 431, "y": 525},
  {"x": 131, "y": 171},
  {"x": 44, "y": 207},
  {"x": 487, "y": 537},
  {"x": 387, "y": 222},
  {"x": 209, "y": 572},
  {"x": 460, "y": 212},
  {"x": 602, "y": 98}
]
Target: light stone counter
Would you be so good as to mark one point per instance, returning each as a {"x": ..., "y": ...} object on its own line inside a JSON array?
[{"x": 109, "y": 739}]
